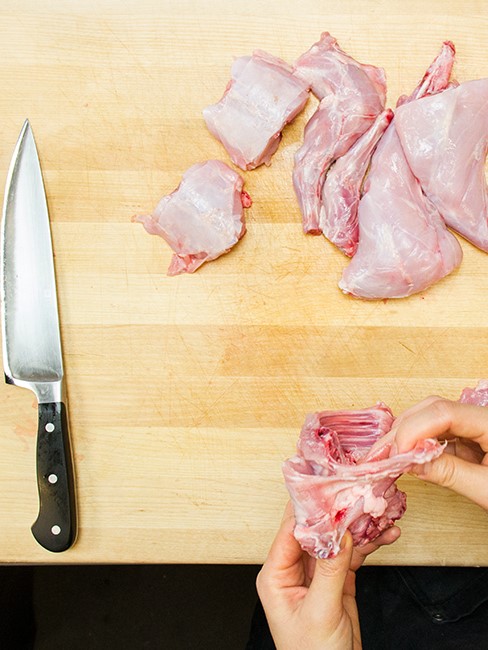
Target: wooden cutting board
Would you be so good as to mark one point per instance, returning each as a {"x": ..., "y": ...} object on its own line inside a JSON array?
[{"x": 187, "y": 393}]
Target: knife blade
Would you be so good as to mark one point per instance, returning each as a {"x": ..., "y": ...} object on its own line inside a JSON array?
[{"x": 31, "y": 342}]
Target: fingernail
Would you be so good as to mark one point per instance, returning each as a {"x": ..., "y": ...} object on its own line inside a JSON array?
[
  {"x": 396, "y": 532},
  {"x": 345, "y": 541}
]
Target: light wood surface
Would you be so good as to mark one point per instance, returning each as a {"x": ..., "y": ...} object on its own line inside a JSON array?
[{"x": 187, "y": 393}]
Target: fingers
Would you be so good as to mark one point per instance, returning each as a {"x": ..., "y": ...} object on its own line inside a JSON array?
[
  {"x": 327, "y": 586},
  {"x": 285, "y": 550},
  {"x": 464, "y": 477},
  {"x": 360, "y": 553},
  {"x": 442, "y": 419},
  {"x": 283, "y": 567},
  {"x": 468, "y": 450},
  {"x": 382, "y": 444},
  {"x": 387, "y": 537},
  {"x": 416, "y": 407},
  {"x": 389, "y": 437}
]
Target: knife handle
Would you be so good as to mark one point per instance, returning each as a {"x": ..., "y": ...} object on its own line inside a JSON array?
[{"x": 55, "y": 526}]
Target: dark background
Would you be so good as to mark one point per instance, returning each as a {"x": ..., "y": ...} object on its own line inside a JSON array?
[
  {"x": 210, "y": 607},
  {"x": 175, "y": 607}
]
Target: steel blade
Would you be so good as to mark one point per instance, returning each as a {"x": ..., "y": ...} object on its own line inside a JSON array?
[{"x": 30, "y": 324}]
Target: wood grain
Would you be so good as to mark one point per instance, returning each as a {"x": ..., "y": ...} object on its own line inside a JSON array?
[{"x": 187, "y": 393}]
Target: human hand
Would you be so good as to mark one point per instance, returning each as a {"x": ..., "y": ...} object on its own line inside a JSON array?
[
  {"x": 463, "y": 467},
  {"x": 312, "y": 603}
]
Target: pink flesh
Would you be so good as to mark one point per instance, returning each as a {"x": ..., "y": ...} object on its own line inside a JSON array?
[
  {"x": 352, "y": 96},
  {"x": 335, "y": 484},
  {"x": 445, "y": 139},
  {"x": 477, "y": 396},
  {"x": 344, "y": 477},
  {"x": 342, "y": 187},
  {"x": 329, "y": 134},
  {"x": 404, "y": 246},
  {"x": 436, "y": 78},
  {"x": 203, "y": 218},
  {"x": 262, "y": 97},
  {"x": 328, "y": 69}
]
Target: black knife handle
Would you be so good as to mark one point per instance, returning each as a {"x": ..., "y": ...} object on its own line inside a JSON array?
[{"x": 55, "y": 526}]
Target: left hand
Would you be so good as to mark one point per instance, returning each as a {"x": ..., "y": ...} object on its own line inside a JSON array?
[{"x": 312, "y": 603}]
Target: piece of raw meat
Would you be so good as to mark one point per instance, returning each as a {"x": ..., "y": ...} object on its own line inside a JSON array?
[
  {"x": 404, "y": 245},
  {"x": 436, "y": 78},
  {"x": 353, "y": 96},
  {"x": 331, "y": 131},
  {"x": 445, "y": 139},
  {"x": 203, "y": 218},
  {"x": 465, "y": 448},
  {"x": 262, "y": 97},
  {"x": 335, "y": 485},
  {"x": 477, "y": 396},
  {"x": 342, "y": 188},
  {"x": 328, "y": 69}
]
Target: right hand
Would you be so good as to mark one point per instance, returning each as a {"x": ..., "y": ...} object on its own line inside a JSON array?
[
  {"x": 312, "y": 603},
  {"x": 463, "y": 467}
]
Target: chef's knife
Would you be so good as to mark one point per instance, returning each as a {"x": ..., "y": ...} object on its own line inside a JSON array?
[{"x": 31, "y": 341}]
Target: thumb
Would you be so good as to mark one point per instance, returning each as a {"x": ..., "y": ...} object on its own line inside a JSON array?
[
  {"x": 462, "y": 476},
  {"x": 327, "y": 586}
]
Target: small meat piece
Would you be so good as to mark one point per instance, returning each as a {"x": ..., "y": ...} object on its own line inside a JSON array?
[
  {"x": 404, "y": 246},
  {"x": 328, "y": 69},
  {"x": 436, "y": 78},
  {"x": 469, "y": 449},
  {"x": 352, "y": 96},
  {"x": 203, "y": 218},
  {"x": 342, "y": 188},
  {"x": 445, "y": 140},
  {"x": 331, "y": 131},
  {"x": 262, "y": 97},
  {"x": 477, "y": 396},
  {"x": 335, "y": 484}
]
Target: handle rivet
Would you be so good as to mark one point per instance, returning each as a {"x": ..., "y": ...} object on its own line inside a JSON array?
[
  {"x": 49, "y": 427},
  {"x": 52, "y": 478},
  {"x": 55, "y": 530}
]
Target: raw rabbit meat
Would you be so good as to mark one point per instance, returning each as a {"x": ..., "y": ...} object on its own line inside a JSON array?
[
  {"x": 335, "y": 484},
  {"x": 404, "y": 246},
  {"x": 342, "y": 188},
  {"x": 353, "y": 96},
  {"x": 436, "y": 78},
  {"x": 329, "y": 134},
  {"x": 477, "y": 396},
  {"x": 445, "y": 140},
  {"x": 328, "y": 69},
  {"x": 262, "y": 97},
  {"x": 203, "y": 218}
]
